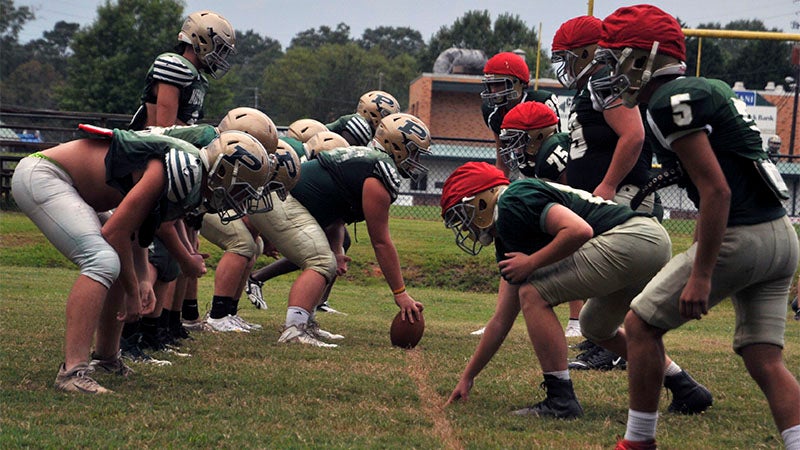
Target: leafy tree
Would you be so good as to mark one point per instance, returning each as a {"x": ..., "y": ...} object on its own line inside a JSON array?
[
  {"x": 12, "y": 20},
  {"x": 475, "y": 30},
  {"x": 111, "y": 57},
  {"x": 253, "y": 54},
  {"x": 325, "y": 83},
  {"x": 312, "y": 38},
  {"x": 393, "y": 41},
  {"x": 54, "y": 47},
  {"x": 33, "y": 84}
]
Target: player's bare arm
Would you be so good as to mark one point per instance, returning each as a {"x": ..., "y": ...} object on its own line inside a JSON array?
[
  {"x": 376, "y": 202},
  {"x": 627, "y": 124},
  {"x": 698, "y": 160}
]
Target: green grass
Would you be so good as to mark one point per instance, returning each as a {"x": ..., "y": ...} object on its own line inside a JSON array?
[{"x": 245, "y": 391}]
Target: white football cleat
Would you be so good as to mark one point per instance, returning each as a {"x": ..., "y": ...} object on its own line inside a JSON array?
[
  {"x": 300, "y": 334},
  {"x": 478, "y": 332}
]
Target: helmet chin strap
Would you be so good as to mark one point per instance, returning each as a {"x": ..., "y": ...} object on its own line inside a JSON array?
[{"x": 648, "y": 70}]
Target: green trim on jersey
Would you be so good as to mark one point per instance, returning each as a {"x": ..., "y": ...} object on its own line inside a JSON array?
[
  {"x": 522, "y": 208},
  {"x": 331, "y": 186},
  {"x": 197, "y": 135},
  {"x": 687, "y": 105},
  {"x": 297, "y": 146}
]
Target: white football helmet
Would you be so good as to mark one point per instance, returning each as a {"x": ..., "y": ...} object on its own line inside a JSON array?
[
  {"x": 252, "y": 122},
  {"x": 375, "y": 105},
  {"x": 213, "y": 39},
  {"x": 322, "y": 142},
  {"x": 287, "y": 170},
  {"x": 303, "y": 129},
  {"x": 404, "y": 137},
  {"x": 238, "y": 169},
  {"x": 472, "y": 220}
]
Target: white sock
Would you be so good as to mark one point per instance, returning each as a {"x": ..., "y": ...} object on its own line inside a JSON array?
[
  {"x": 560, "y": 374},
  {"x": 574, "y": 323},
  {"x": 791, "y": 438},
  {"x": 672, "y": 369},
  {"x": 296, "y": 315},
  {"x": 641, "y": 425}
]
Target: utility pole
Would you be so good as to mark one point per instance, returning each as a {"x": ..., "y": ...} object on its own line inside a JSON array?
[{"x": 255, "y": 97}]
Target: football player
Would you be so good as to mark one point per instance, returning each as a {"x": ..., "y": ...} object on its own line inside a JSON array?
[
  {"x": 738, "y": 193},
  {"x": 146, "y": 179},
  {"x": 505, "y": 85},
  {"x": 359, "y": 128},
  {"x": 342, "y": 186},
  {"x": 575, "y": 245}
]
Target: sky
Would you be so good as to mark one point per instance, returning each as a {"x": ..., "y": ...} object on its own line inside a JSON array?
[{"x": 282, "y": 20}]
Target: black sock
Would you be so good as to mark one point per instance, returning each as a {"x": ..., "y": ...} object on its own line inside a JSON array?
[
  {"x": 220, "y": 306},
  {"x": 163, "y": 319},
  {"x": 234, "y": 307},
  {"x": 149, "y": 325},
  {"x": 130, "y": 328},
  {"x": 189, "y": 310},
  {"x": 174, "y": 320}
]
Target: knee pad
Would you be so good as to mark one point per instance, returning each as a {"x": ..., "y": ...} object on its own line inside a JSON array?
[{"x": 101, "y": 265}]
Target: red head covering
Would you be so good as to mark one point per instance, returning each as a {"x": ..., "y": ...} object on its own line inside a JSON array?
[
  {"x": 529, "y": 116},
  {"x": 639, "y": 26},
  {"x": 508, "y": 63},
  {"x": 468, "y": 180},
  {"x": 578, "y": 32}
]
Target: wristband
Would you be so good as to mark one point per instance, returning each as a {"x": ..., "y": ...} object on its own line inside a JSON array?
[{"x": 399, "y": 290}]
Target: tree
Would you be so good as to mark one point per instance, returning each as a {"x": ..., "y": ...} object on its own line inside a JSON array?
[
  {"x": 475, "y": 30},
  {"x": 33, "y": 85},
  {"x": 54, "y": 47},
  {"x": 312, "y": 38},
  {"x": 393, "y": 41},
  {"x": 12, "y": 20},
  {"x": 111, "y": 57},
  {"x": 253, "y": 54},
  {"x": 326, "y": 82}
]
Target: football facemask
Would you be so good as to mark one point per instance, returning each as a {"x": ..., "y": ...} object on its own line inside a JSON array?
[
  {"x": 472, "y": 220},
  {"x": 500, "y": 89}
]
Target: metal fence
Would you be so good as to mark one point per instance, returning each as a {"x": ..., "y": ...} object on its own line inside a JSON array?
[{"x": 25, "y": 131}]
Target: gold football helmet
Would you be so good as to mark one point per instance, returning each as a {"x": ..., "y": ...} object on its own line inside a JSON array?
[
  {"x": 213, "y": 39},
  {"x": 322, "y": 142},
  {"x": 472, "y": 220},
  {"x": 287, "y": 170},
  {"x": 254, "y": 123},
  {"x": 303, "y": 129},
  {"x": 519, "y": 146},
  {"x": 238, "y": 169},
  {"x": 404, "y": 137},
  {"x": 375, "y": 105}
]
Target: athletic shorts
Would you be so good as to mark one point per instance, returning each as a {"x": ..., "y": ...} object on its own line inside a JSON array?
[
  {"x": 755, "y": 267},
  {"x": 608, "y": 270},
  {"x": 167, "y": 267},
  {"x": 297, "y": 236},
  {"x": 232, "y": 237}
]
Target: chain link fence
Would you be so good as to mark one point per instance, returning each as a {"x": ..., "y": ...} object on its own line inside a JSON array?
[{"x": 420, "y": 200}]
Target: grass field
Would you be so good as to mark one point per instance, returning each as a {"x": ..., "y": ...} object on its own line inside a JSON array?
[{"x": 245, "y": 391}]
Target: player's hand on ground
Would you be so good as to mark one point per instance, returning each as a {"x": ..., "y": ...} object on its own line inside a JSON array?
[
  {"x": 516, "y": 268},
  {"x": 461, "y": 392},
  {"x": 410, "y": 307}
]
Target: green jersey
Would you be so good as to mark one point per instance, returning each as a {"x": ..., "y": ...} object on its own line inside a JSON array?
[
  {"x": 197, "y": 135},
  {"x": 354, "y": 124},
  {"x": 687, "y": 105},
  {"x": 331, "y": 185},
  {"x": 175, "y": 70},
  {"x": 522, "y": 208},
  {"x": 493, "y": 115},
  {"x": 297, "y": 146},
  {"x": 551, "y": 159}
]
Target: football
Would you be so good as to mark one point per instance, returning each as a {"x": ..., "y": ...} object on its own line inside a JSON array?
[{"x": 405, "y": 334}]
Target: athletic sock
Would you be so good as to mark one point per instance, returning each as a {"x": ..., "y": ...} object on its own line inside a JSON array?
[
  {"x": 189, "y": 309},
  {"x": 220, "y": 306},
  {"x": 560, "y": 374},
  {"x": 174, "y": 320},
  {"x": 130, "y": 328},
  {"x": 791, "y": 438},
  {"x": 672, "y": 369},
  {"x": 641, "y": 425},
  {"x": 233, "y": 307},
  {"x": 296, "y": 315}
]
